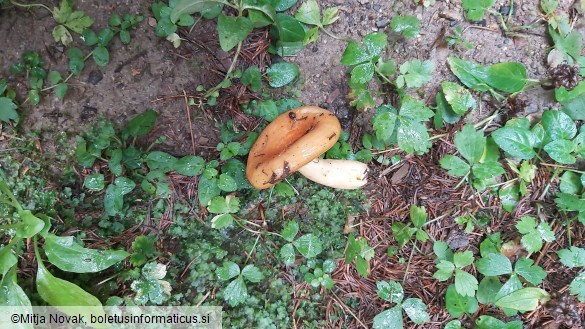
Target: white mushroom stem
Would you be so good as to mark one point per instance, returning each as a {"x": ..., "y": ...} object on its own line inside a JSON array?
[{"x": 341, "y": 174}]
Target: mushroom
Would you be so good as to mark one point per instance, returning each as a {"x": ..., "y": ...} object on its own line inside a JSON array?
[{"x": 294, "y": 141}]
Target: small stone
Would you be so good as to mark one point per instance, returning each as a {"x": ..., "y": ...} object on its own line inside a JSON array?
[
  {"x": 95, "y": 77},
  {"x": 363, "y": 2},
  {"x": 505, "y": 10},
  {"x": 376, "y": 7},
  {"x": 382, "y": 23}
]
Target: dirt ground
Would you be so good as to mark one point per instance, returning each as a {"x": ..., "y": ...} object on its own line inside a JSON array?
[{"x": 150, "y": 74}]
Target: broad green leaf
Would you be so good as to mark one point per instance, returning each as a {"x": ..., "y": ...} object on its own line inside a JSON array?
[
  {"x": 289, "y": 29},
  {"x": 494, "y": 264},
  {"x": 309, "y": 245},
  {"x": 391, "y": 318},
  {"x": 222, "y": 220},
  {"x": 558, "y": 125},
  {"x": 526, "y": 299},
  {"x": 462, "y": 259},
  {"x": 290, "y": 231},
  {"x": 458, "y": 97},
  {"x": 416, "y": 73},
  {"x": 465, "y": 283},
  {"x": 207, "y": 189},
  {"x": 532, "y": 273},
  {"x": 309, "y": 13},
  {"x": 491, "y": 244},
  {"x": 11, "y": 294},
  {"x": 487, "y": 170},
  {"x": 7, "y": 259},
  {"x": 569, "y": 44},
  {"x": 62, "y": 35},
  {"x": 402, "y": 233},
  {"x": 190, "y": 165},
  {"x": 413, "y": 137},
  {"x": 252, "y": 78},
  {"x": 282, "y": 5},
  {"x": 571, "y": 183},
  {"x": 418, "y": 216},
  {"x": 158, "y": 160},
  {"x": 514, "y": 141},
  {"x": 444, "y": 271},
  {"x": 487, "y": 290},
  {"x": 76, "y": 62},
  {"x": 8, "y": 110},
  {"x": 236, "y": 292},
  {"x": 61, "y": 90},
  {"x": 572, "y": 257},
  {"x": 454, "y": 324},
  {"x": 141, "y": 124},
  {"x": 34, "y": 96},
  {"x": 232, "y": 30},
  {"x": 58, "y": 292},
  {"x": 29, "y": 225},
  {"x": 454, "y": 165},
  {"x": 513, "y": 284},
  {"x": 252, "y": 273},
  {"x": 224, "y": 205},
  {"x": 470, "y": 143},
  {"x": 375, "y": 43},
  {"x": 89, "y": 38},
  {"x": 68, "y": 256},
  {"x": 569, "y": 202},
  {"x": 266, "y": 7},
  {"x": 560, "y": 150},
  {"x": 188, "y": 7},
  {"x": 509, "y": 77},
  {"x": 105, "y": 36},
  {"x": 330, "y": 15},
  {"x": 469, "y": 73},
  {"x": 442, "y": 251},
  {"x": 287, "y": 254},
  {"x": 416, "y": 310},
  {"x": 354, "y": 54},
  {"x": 227, "y": 271},
  {"x": 362, "y": 73},
  {"x": 101, "y": 56},
  {"x": 390, "y": 291},
  {"x": 476, "y": 9},
  {"x": 94, "y": 182},
  {"x": 409, "y": 26},
  {"x": 509, "y": 197},
  {"x": 457, "y": 305},
  {"x": 415, "y": 109},
  {"x": 578, "y": 286},
  {"x": 549, "y": 6},
  {"x": 281, "y": 74},
  {"x": 227, "y": 183},
  {"x": 384, "y": 124}
]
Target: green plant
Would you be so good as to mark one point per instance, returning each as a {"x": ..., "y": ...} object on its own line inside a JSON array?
[
  {"x": 61, "y": 252},
  {"x": 320, "y": 276},
  {"x": 236, "y": 291},
  {"x": 481, "y": 163},
  {"x": 150, "y": 288},
  {"x": 533, "y": 234},
  {"x": 309, "y": 13},
  {"x": 575, "y": 257},
  {"x": 360, "y": 252},
  {"x": 408, "y": 26},
  {"x": 32, "y": 65},
  {"x": 403, "y": 232},
  {"x": 476, "y": 9},
  {"x": 453, "y": 263},
  {"x": 7, "y": 104},
  {"x": 455, "y": 39},
  {"x": 307, "y": 245},
  {"x": 392, "y": 292}
]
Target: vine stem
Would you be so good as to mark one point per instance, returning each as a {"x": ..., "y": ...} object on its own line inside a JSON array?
[
  {"x": 229, "y": 71},
  {"x": 23, "y": 5}
]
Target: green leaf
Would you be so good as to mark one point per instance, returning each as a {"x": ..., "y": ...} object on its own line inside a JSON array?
[
  {"x": 462, "y": 259},
  {"x": 465, "y": 283},
  {"x": 402, "y": 233},
  {"x": 454, "y": 165},
  {"x": 330, "y": 15},
  {"x": 188, "y": 7},
  {"x": 526, "y": 299},
  {"x": 509, "y": 77},
  {"x": 207, "y": 189},
  {"x": 7, "y": 260},
  {"x": 515, "y": 141},
  {"x": 101, "y": 56},
  {"x": 470, "y": 143},
  {"x": 390, "y": 291},
  {"x": 78, "y": 22},
  {"x": 158, "y": 160},
  {"x": 413, "y": 137},
  {"x": 418, "y": 216},
  {"x": 513, "y": 284},
  {"x": 458, "y": 97},
  {"x": 62, "y": 13},
  {"x": 290, "y": 231},
  {"x": 549, "y": 6},
  {"x": 252, "y": 273},
  {"x": 287, "y": 254},
  {"x": 124, "y": 36},
  {"x": 141, "y": 124},
  {"x": 29, "y": 226},
  {"x": 409, "y": 26},
  {"x": 569, "y": 202},
  {"x": 454, "y": 324},
  {"x": 105, "y": 36},
  {"x": 457, "y": 305},
  {"x": 190, "y": 165},
  {"x": 290, "y": 31},
  {"x": 61, "y": 90},
  {"x": 391, "y": 318},
  {"x": 416, "y": 310},
  {"x": 89, "y": 38},
  {"x": 68, "y": 256},
  {"x": 572, "y": 257},
  {"x": 224, "y": 205},
  {"x": 227, "y": 183},
  {"x": 308, "y": 245},
  {"x": 558, "y": 125},
  {"x": 494, "y": 264},
  {"x": 8, "y": 110},
  {"x": 442, "y": 251},
  {"x": 487, "y": 290},
  {"x": 58, "y": 292},
  {"x": 252, "y": 78},
  {"x": 94, "y": 182},
  {"x": 415, "y": 109},
  {"x": 416, "y": 73},
  {"x": 509, "y": 197},
  {"x": 232, "y": 30},
  {"x": 227, "y": 271},
  {"x": 577, "y": 286},
  {"x": 76, "y": 63},
  {"x": 475, "y": 9},
  {"x": 309, "y": 13},
  {"x": 354, "y": 54},
  {"x": 469, "y": 73},
  {"x": 444, "y": 271},
  {"x": 281, "y": 74},
  {"x": 34, "y": 97},
  {"x": 11, "y": 294},
  {"x": 62, "y": 35},
  {"x": 236, "y": 292},
  {"x": 362, "y": 73},
  {"x": 560, "y": 150},
  {"x": 532, "y": 273},
  {"x": 384, "y": 124},
  {"x": 221, "y": 221}
]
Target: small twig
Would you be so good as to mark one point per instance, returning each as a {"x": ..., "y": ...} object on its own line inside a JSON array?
[{"x": 188, "y": 108}]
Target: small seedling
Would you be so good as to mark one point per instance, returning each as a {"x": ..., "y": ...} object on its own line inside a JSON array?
[{"x": 392, "y": 292}]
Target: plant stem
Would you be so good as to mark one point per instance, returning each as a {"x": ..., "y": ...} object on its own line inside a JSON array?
[
  {"x": 229, "y": 71},
  {"x": 4, "y": 189},
  {"x": 408, "y": 263},
  {"x": 23, "y": 5}
]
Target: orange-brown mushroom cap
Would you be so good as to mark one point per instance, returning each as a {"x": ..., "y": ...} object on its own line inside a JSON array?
[{"x": 289, "y": 142}]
